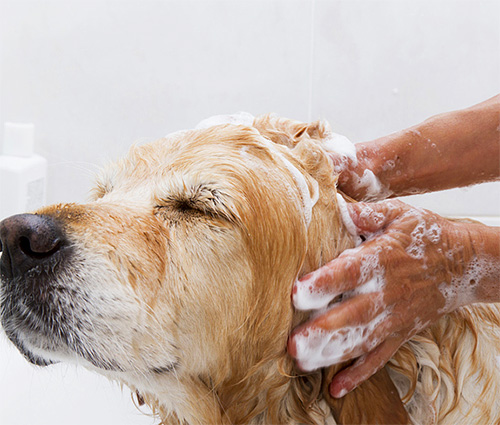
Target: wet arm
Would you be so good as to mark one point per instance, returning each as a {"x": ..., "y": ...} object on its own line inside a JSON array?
[{"x": 453, "y": 149}]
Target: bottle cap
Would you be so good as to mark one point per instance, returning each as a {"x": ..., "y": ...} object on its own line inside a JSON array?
[{"x": 19, "y": 139}]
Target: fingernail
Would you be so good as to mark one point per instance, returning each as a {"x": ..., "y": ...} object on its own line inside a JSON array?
[
  {"x": 309, "y": 293},
  {"x": 337, "y": 390},
  {"x": 341, "y": 386}
]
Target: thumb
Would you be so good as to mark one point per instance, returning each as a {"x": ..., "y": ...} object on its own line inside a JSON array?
[{"x": 373, "y": 217}]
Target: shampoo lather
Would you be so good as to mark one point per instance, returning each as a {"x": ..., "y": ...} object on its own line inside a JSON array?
[{"x": 22, "y": 172}]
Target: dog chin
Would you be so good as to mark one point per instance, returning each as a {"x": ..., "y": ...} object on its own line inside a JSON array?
[{"x": 29, "y": 354}]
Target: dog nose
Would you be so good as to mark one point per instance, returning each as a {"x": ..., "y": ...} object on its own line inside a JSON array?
[{"x": 28, "y": 241}]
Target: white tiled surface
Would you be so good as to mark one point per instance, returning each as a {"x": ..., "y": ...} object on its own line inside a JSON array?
[{"x": 95, "y": 76}]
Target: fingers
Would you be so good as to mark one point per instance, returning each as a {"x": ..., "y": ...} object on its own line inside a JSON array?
[
  {"x": 373, "y": 217},
  {"x": 356, "y": 270},
  {"x": 317, "y": 289},
  {"x": 344, "y": 332},
  {"x": 363, "y": 368}
]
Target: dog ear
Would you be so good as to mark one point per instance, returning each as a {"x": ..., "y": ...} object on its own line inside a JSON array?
[
  {"x": 284, "y": 131},
  {"x": 307, "y": 143},
  {"x": 358, "y": 407}
]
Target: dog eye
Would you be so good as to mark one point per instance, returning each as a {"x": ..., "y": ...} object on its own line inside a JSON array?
[{"x": 200, "y": 200}]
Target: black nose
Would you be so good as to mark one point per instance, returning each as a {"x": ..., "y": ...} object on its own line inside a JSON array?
[{"x": 28, "y": 241}]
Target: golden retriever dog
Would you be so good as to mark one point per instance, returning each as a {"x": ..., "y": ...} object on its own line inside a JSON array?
[{"x": 176, "y": 279}]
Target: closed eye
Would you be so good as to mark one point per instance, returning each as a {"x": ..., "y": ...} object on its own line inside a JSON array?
[{"x": 196, "y": 201}]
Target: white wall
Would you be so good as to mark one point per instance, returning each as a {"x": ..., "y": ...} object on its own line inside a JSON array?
[{"x": 96, "y": 76}]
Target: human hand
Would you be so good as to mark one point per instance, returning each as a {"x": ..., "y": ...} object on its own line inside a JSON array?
[
  {"x": 355, "y": 173},
  {"x": 413, "y": 267}
]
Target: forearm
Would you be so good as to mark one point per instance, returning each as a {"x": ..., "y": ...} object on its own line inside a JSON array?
[{"x": 454, "y": 149}]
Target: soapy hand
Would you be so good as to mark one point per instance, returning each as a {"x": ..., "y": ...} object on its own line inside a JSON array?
[
  {"x": 413, "y": 267},
  {"x": 355, "y": 175}
]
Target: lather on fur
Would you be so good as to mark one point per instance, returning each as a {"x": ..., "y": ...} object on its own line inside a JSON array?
[{"x": 176, "y": 281}]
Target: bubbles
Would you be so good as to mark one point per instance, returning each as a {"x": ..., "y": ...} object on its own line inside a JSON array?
[
  {"x": 375, "y": 190},
  {"x": 309, "y": 197},
  {"x": 434, "y": 233},
  {"x": 318, "y": 348},
  {"x": 421, "y": 234},
  {"x": 347, "y": 220},
  {"x": 417, "y": 248},
  {"x": 389, "y": 165},
  {"x": 307, "y": 296},
  {"x": 239, "y": 118},
  {"x": 370, "y": 215},
  {"x": 462, "y": 289},
  {"x": 341, "y": 145}
]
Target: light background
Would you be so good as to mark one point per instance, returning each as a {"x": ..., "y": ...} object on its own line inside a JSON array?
[{"x": 96, "y": 76}]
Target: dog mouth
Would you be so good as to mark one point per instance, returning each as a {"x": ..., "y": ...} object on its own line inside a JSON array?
[
  {"x": 44, "y": 315},
  {"x": 31, "y": 308}
]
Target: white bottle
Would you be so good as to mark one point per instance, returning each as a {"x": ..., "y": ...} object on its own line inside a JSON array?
[{"x": 22, "y": 172}]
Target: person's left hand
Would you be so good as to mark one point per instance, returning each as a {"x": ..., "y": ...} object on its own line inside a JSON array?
[{"x": 400, "y": 280}]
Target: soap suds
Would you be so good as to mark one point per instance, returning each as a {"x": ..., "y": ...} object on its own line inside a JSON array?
[
  {"x": 347, "y": 220},
  {"x": 318, "y": 348},
  {"x": 462, "y": 289},
  {"x": 389, "y": 165},
  {"x": 308, "y": 296},
  {"x": 375, "y": 190},
  {"x": 239, "y": 118},
  {"x": 337, "y": 143},
  {"x": 308, "y": 199},
  {"x": 417, "y": 247},
  {"x": 369, "y": 214},
  {"x": 422, "y": 230}
]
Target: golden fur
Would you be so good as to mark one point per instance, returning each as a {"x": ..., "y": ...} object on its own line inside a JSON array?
[{"x": 206, "y": 229}]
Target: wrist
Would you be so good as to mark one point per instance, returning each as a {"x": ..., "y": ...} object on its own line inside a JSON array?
[{"x": 474, "y": 259}]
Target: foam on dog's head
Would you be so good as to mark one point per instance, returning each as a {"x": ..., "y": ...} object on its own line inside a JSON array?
[{"x": 309, "y": 195}]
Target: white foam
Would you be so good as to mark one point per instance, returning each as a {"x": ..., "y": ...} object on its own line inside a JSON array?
[
  {"x": 416, "y": 249},
  {"x": 431, "y": 233},
  {"x": 369, "y": 214},
  {"x": 239, "y": 118},
  {"x": 178, "y": 133},
  {"x": 319, "y": 348},
  {"x": 347, "y": 220},
  {"x": 308, "y": 199},
  {"x": 371, "y": 184},
  {"x": 307, "y": 296},
  {"x": 373, "y": 285},
  {"x": 371, "y": 276},
  {"x": 462, "y": 289},
  {"x": 337, "y": 143},
  {"x": 434, "y": 233}
]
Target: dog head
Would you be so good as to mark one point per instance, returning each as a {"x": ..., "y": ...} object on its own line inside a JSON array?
[{"x": 175, "y": 278}]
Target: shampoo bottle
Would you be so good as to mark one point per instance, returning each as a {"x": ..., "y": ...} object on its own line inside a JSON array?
[{"x": 22, "y": 172}]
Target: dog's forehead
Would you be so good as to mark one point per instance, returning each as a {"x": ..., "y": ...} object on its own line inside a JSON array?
[
  {"x": 222, "y": 153},
  {"x": 216, "y": 151}
]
